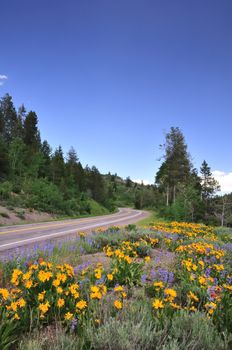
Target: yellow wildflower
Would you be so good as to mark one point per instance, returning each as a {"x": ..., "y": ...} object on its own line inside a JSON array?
[
  {"x": 62, "y": 277},
  {"x": 41, "y": 296},
  {"x": 68, "y": 316},
  {"x": 4, "y": 292},
  {"x": 28, "y": 284},
  {"x": 21, "y": 302},
  {"x": 16, "y": 316},
  {"x": 44, "y": 276},
  {"x": 43, "y": 307},
  {"x": 60, "y": 302},
  {"x": 118, "y": 289},
  {"x": 118, "y": 304},
  {"x": 158, "y": 304},
  {"x": 110, "y": 276},
  {"x": 202, "y": 280},
  {"x": 128, "y": 259},
  {"x": 192, "y": 296},
  {"x": 14, "y": 305},
  {"x": 81, "y": 305},
  {"x": 98, "y": 273},
  {"x": 59, "y": 290},
  {"x": 147, "y": 259},
  {"x": 15, "y": 275},
  {"x": 170, "y": 293},
  {"x": 56, "y": 283},
  {"x": 158, "y": 284}
]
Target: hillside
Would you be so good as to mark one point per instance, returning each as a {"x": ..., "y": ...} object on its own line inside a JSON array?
[{"x": 34, "y": 176}]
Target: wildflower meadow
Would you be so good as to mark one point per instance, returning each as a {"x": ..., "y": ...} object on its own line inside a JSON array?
[{"x": 164, "y": 286}]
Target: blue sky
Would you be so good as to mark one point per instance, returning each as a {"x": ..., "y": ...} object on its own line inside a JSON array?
[{"x": 110, "y": 77}]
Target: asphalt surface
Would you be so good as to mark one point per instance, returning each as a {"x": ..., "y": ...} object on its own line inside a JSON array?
[{"x": 20, "y": 235}]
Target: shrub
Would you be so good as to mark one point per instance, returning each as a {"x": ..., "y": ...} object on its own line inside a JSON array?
[
  {"x": 194, "y": 331},
  {"x": 132, "y": 329},
  {"x": 5, "y": 189},
  {"x": 43, "y": 195},
  {"x": 21, "y": 214},
  {"x": 130, "y": 227},
  {"x": 4, "y": 215},
  {"x": 42, "y": 341}
]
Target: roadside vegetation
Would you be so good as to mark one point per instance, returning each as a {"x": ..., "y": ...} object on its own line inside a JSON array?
[
  {"x": 34, "y": 176},
  {"x": 164, "y": 286}
]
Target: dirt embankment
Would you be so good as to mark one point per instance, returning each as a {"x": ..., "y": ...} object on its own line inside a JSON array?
[{"x": 12, "y": 216}]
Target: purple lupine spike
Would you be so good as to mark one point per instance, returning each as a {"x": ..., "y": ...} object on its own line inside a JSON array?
[{"x": 144, "y": 278}]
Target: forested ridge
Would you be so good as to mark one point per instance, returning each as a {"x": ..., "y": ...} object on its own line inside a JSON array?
[{"x": 34, "y": 176}]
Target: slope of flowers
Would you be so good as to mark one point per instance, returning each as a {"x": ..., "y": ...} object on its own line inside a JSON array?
[
  {"x": 203, "y": 281},
  {"x": 43, "y": 293}
]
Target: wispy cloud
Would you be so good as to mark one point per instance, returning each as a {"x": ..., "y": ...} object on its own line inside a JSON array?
[
  {"x": 3, "y": 78},
  {"x": 139, "y": 181},
  {"x": 224, "y": 179}
]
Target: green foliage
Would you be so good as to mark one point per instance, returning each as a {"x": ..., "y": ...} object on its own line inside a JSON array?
[
  {"x": 35, "y": 172},
  {"x": 186, "y": 196},
  {"x": 130, "y": 227},
  {"x": 41, "y": 341},
  {"x": 20, "y": 214},
  {"x": 176, "y": 168},
  {"x": 114, "y": 238},
  {"x": 209, "y": 185},
  {"x": 8, "y": 334},
  {"x": 5, "y": 189},
  {"x": 17, "y": 154},
  {"x": 4, "y": 162},
  {"x": 222, "y": 316},
  {"x": 95, "y": 208},
  {"x": 43, "y": 195},
  {"x": 127, "y": 273},
  {"x": 224, "y": 233},
  {"x": 143, "y": 250},
  {"x": 187, "y": 206},
  {"x": 193, "y": 331},
  {"x": 179, "y": 192},
  {"x": 132, "y": 329}
]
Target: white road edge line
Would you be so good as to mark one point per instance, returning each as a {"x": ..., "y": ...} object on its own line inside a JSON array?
[
  {"x": 69, "y": 231},
  {"x": 66, "y": 221}
]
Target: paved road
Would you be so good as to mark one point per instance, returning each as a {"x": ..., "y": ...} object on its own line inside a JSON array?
[{"x": 15, "y": 236}]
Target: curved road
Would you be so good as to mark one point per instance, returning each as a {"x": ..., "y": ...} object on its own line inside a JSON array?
[{"x": 15, "y": 236}]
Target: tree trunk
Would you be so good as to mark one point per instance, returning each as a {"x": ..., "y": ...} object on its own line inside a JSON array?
[
  {"x": 223, "y": 213},
  {"x": 167, "y": 196}
]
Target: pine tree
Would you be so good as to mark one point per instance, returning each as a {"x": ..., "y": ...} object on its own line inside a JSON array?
[
  {"x": 128, "y": 182},
  {"x": 9, "y": 123},
  {"x": 4, "y": 160},
  {"x": 21, "y": 115},
  {"x": 176, "y": 168},
  {"x": 209, "y": 186},
  {"x": 58, "y": 166},
  {"x": 72, "y": 161},
  {"x": 31, "y": 132},
  {"x": 17, "y": 155},
  {"x": 45, "y": 167},
  {"x": 96, "y": 184},
  {"x": 72, "y": 171}
]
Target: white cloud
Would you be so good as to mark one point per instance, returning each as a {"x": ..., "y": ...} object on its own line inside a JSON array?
[
  {"x": 139, "y": 181},
  {"x": 3, "y": 78},
  {"x": 224, "y": 179}
]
